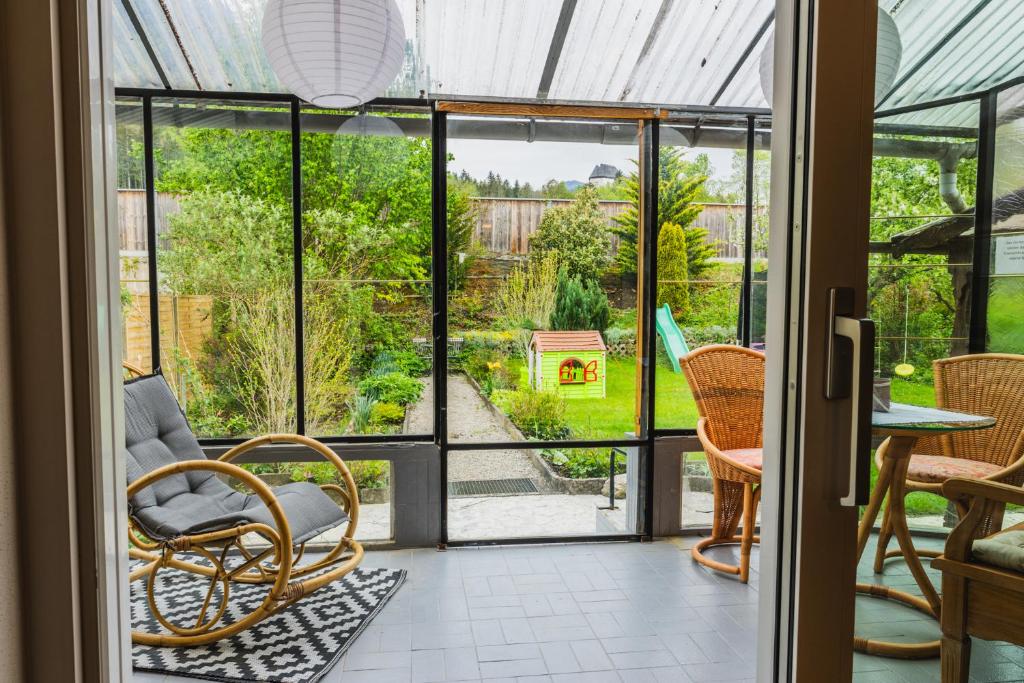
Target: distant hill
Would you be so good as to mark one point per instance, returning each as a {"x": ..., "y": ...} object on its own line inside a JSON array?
[{"x": 573, "y": 185}]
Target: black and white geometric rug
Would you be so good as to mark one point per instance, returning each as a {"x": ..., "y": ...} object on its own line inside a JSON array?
[{"x": 297, "y": 645}]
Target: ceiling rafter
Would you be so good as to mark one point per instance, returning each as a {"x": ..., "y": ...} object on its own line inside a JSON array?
[
  {"x": 652, "y": 36},
  {"x": 141, "y": 33},
  {"x": 555, "y": 49},
  {"x": 743, "y": 58}
]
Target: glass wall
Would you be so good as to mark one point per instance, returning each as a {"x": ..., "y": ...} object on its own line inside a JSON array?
[
  {"x": 702, "y": 169},
  {"x": 223, "y": 179},
  {"x": 761, "y": 211},
  {"x": 366, "y": 251},
  {"x": 924, "y": 182},
  {"x": 1006, "y": 285},
  {"x": 924, "y": 186},
  {"x": 133, "y": 247},
  {"x": 542, "y": 229}
]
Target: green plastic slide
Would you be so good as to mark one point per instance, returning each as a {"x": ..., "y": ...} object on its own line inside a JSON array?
[{"x": 672, "y": 336}]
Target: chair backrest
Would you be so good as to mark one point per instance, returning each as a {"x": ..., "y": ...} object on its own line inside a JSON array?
[
  {"x": 984, "y": 384},
  {"x": 728, "y": 386},
  {"x": 157, "y": 434}
]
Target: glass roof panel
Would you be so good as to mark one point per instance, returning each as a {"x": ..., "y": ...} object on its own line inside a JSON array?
[
  {"x": 984, "y": 52},
  {"x": 154, "y": 24},
  {"x": 663, "y": 53},
  {"x": 601, "y": 49},
  {"x": 233, "y": 26},
  {"x": 745, "y": 88},
  {"x": 487, "y": 48},
  {"x": 696, "y": 50},
  {"x": 131, "y": 62}
]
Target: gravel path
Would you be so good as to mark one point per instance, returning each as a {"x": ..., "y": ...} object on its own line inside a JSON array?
[{"x": 469, "y": 419}]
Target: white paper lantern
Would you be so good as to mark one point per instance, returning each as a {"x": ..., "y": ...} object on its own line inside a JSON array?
[
  {"x": 334, "y": 53},
  {"x": 374, "y": 126},
  {"x": 888, "y": 52}
]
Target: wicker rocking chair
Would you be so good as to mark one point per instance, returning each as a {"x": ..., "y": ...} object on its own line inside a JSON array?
[
  {"x": 728, "y": 386},
  {"x": 183, "y": 517},
  {"x": 989, "y": 384}
]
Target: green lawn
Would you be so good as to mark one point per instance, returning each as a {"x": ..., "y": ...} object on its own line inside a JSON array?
[
  {"x": 910, "y": 392},
  {"x": 612, "y": 416}
]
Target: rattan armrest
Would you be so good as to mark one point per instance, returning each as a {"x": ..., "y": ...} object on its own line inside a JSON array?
[
  {"x": 985, "y": 497},
  {"x": 712, "y": 451},
  {"x": 960, "y": 488}
]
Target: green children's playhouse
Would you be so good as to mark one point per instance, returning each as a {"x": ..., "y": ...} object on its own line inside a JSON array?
[{"x": 571, "y": 363}]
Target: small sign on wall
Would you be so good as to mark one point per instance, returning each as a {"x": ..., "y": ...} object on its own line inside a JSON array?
[{"x": 1009, "y": 255}]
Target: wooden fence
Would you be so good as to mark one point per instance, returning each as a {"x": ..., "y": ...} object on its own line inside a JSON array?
[
  {"x": 186, "y": 323},
  {"x": 503, "y": 226},
  {"x": 131, "y": 217}
]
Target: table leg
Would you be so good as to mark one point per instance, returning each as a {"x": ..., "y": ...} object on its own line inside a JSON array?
[
  {"x": 892, "y": 479},
  {"x": 898, "y": 520},
  {"x": 885, "y": 473}
]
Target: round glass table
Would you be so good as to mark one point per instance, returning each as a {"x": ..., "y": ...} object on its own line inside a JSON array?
[{"x": 904, "y": 425}]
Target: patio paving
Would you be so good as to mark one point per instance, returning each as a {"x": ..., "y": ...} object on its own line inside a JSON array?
[
  {"x": 533, "y": 516},
  {"x": 589, "y": 613}
]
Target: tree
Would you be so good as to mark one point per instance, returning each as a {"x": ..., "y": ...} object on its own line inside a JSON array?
[
  {"x": 938, "y": 295},
  {"x": 579, "y": 305},
  {"x": 673, "y": 288},
  {"x": 236, "y": 250},
  {"x": 578, "y": 234},
  {"x": 366, "y": 216},
  {"x": 556, "y": 189},
  {"x": 526, "y": 297},
  {"x": 734, "y": 190},
  {"x": 677, "y": 193},
  {"x": 461, "y": 222},
  {"x": 383, "y": 184}
]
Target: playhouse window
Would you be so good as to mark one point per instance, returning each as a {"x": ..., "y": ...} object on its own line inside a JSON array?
[{"x": 573, "y": 371}]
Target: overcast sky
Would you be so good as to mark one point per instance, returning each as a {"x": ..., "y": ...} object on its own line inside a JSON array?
[{"x": 539, "y": 162}]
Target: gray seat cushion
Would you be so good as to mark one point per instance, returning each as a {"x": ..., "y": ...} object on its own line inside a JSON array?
[{"x": 157, "y": 434}]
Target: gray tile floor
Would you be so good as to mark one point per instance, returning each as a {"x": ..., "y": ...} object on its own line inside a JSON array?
[{"x": 598, "y": 612}]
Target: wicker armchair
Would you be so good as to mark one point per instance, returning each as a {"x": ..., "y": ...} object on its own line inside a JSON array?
[
  {"x": 185, "y": 520},
  {"x": 982, "y": 575},
  {"x": 728, "y": 386},
  {"x": 989, "y": 384}
]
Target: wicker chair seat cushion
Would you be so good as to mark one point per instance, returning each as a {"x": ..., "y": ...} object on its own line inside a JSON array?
[
  {"x": 157, "y": 434},
  {"x": 935, "y": 469},
  {"x": 1004, "y": 549},
  {"x": 748, "y": 457}
]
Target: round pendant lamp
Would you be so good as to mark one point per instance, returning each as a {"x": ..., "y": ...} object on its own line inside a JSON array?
[
  {"x": 888, "y": 52},
  {"x": 373, "y": 126},
  {"x": 334, "y": 53}
]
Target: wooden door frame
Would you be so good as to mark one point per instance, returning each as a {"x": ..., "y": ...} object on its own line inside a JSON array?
[
  {"x": 56, "y": 112},
  {"x": 821, "y": 173}
]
